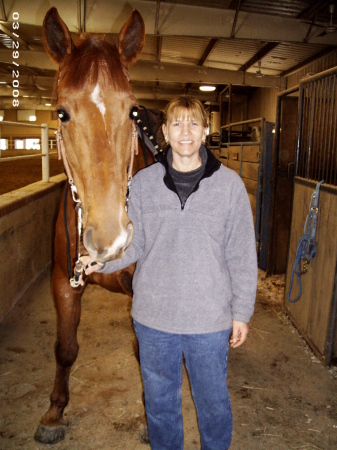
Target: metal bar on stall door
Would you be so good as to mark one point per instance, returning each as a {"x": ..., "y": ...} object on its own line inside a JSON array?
[
  {"x": 324, "y": 115},
  {"x": 316, "y": 142},
  {"x": 299, "y": 132},
  {"x": 333, "y": 168},
  {"x": 312, "y": 105},
  {"x": 332, "y": 119},
  {"x": 304, "y": 145},
  {"x": 326, "y": 130},
  {"x": 318, "y": 128}
]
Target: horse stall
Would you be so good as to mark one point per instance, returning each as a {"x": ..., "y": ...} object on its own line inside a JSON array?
[
  {"x": 249, "y": 153},
  {"x": 314, "y": 313}
]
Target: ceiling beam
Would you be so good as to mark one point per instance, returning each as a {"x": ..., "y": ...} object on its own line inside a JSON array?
[
  {"x": 212, "y": 43},
  {"x": 177, "y": 73},
  {"x": 154, "y": 71},
  {"x": 259, "y": 55},
  {"x": 313, "y": 9},
  {"x": 311, "y": 26},
  {"x": 15, "y": 38},
  {"x": 240, "y": 3}
]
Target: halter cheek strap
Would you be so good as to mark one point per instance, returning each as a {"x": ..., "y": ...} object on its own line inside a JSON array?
[{"x": 134, "y": 151}]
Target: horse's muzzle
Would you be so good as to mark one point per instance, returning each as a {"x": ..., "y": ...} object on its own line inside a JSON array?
[{"x": 101, "y": 253}]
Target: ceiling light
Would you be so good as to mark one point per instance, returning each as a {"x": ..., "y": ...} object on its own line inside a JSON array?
[
  {"x": 47, "y": 104},
  {"x": 207, "y": 88}
]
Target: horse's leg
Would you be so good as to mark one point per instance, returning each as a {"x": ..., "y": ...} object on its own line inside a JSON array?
[{"x": 68, "y": 306}]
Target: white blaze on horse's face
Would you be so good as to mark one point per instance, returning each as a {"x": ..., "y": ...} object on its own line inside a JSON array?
[{"x": 98, "y": 100}]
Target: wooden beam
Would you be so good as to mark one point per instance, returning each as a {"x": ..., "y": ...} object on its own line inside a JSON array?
[
  {"x": 240, "y": 3},
  {"x": 212, "y": 43},
  {"x": 259, "y": 55},
  {"x": 313, "y": 9},
  {"x": 11, "y": 34}
]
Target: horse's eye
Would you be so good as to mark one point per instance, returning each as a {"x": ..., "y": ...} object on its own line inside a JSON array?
[
  {"x": 63, "y": 115},
  {"x": 133, "y": 113}
]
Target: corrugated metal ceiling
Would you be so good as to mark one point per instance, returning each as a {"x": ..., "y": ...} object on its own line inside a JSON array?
[{"x": 191, "y": 49}]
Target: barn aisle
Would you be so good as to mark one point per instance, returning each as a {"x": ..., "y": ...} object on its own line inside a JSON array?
[{"x": 282, "y": 396}]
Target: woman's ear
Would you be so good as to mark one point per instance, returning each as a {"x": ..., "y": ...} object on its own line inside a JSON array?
[{"x": 164, "y": 128}]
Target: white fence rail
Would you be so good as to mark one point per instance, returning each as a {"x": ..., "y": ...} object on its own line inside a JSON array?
[{"x": 44, "y": 146}]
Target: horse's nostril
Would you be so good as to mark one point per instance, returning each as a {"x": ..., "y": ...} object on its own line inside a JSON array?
[{"x": 87, "y": 240}]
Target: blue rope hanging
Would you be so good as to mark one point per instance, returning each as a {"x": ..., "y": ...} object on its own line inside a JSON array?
[{"x": 306, "y": 247}]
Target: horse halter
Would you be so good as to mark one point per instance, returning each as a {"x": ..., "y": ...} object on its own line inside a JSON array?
[{"x": 75, "y": 280}]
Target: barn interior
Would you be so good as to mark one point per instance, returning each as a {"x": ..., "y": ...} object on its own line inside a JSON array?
[{"x": 266, "y": 72}]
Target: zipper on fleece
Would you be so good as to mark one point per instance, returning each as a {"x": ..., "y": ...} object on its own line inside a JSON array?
[{"x": 184, "y": 203}]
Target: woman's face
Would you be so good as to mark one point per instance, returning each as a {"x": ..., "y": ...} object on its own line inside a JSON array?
[{"x": 185, "y": 136}]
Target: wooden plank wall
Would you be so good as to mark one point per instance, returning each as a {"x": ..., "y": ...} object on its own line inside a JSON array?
[
  {"x": 312, "y": 313},
  {"x": 249, "y": 163}
]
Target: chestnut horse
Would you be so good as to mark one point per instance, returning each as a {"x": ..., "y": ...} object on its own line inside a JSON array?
[{"x": 94, "y": 101}]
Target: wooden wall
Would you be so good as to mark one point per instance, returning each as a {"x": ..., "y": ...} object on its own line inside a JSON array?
[
  {"x": 262, "y": 103},
  {"x": 246, "y": 166},
  {"x": 312, "y": 314}
]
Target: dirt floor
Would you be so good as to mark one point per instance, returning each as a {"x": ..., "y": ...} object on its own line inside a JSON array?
[
  {"x": 282, "y": 396},
  {"x": 17, "y": 174}
]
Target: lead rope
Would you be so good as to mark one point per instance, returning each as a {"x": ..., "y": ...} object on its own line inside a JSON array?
[
  {"x": 75, "y": 280},
  {"x": 306, "y": 247}
]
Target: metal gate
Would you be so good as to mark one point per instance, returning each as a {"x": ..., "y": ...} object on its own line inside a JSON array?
[{"x": 316, "y": 153}]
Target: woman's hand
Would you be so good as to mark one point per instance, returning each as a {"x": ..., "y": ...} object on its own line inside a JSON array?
[
  {"x": 90, "y": 265},
  {"x": 239, "y": 334}
]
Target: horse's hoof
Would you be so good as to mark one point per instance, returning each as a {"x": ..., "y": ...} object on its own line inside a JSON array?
[
  {"x": 50, "y": 435},
  {"x": 144, "y": 434}
]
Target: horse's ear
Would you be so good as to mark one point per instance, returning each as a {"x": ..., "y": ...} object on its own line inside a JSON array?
[
  {"x": 131, "y": 38},
  {"x": 56, "y": 36}
]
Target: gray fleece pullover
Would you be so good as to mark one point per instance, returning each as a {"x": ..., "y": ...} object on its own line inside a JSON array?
[{"x": 196, "y": 267}]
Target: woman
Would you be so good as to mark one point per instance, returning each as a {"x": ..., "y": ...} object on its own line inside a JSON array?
[{"x": 195, "y": 278}]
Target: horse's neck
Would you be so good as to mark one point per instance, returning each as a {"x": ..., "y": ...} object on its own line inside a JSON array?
[{"x": 139, "y": 161}]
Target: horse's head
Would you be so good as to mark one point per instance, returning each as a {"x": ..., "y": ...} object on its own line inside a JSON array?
[{"x": 94, "y": 102}]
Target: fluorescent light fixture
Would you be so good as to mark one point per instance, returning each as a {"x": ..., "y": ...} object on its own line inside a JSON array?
[
  {"x": 207, "y": 88},
  {"x": 47, "y": 104},
  {"x": 32, "y": 118}
]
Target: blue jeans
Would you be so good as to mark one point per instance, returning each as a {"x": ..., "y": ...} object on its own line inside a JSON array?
[{"x": 206, "y": 358}]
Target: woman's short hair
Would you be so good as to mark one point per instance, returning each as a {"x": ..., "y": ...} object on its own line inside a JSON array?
[{"x": 186, "y": 103}]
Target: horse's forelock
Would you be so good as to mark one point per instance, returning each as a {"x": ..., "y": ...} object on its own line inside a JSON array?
[{"x": 90, "y": 58}]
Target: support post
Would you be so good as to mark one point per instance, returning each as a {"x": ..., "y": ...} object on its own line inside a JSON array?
[{"x": 45, "y": 152}]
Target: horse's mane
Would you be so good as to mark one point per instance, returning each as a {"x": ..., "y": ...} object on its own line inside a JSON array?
[{"x": 91, "y": 57}]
